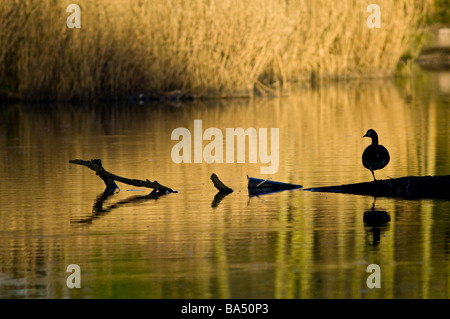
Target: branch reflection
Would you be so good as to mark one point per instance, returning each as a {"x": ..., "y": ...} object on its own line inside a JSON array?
[
  {"x": 218, "y": 198},
  {"x": 98, "y": 210}
]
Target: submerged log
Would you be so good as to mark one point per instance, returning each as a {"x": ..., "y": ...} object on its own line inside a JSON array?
[
  {"x": 411, "y": 187},
  {"x": 258, "y": 186},
  {"x": 219, "y": 185},
  {"x": 223, "y": 190},
  {"x": 109, "y": 178}
]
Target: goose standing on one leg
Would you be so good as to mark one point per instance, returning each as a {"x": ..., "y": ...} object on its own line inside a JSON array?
[{"x": 375, "y": 156}]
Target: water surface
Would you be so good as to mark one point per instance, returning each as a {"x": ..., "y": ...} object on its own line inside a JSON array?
[{"x": 292, "y": 244}]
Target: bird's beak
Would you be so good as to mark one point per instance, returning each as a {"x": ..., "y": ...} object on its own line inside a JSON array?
[{"x": 365, "y": 135}]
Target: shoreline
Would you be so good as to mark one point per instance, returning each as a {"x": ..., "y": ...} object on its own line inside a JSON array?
[{"x": 212, "y": 49}]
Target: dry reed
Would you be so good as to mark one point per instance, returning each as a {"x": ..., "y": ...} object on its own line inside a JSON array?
[{"x": 202, "y": 47}]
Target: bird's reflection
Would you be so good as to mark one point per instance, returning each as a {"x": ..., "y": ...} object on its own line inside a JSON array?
[
  {"x": 376, "y": 222},
  {"x": 98, "y": 210}
]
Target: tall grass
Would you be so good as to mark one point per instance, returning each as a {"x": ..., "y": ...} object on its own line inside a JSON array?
[{"x": 203, "y": 47}]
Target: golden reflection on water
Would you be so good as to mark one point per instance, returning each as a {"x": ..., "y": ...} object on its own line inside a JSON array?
[{"x": 291, "y": 244}]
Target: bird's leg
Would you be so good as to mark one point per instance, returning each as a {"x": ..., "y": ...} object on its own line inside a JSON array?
[{"x": 373, "y": 175}]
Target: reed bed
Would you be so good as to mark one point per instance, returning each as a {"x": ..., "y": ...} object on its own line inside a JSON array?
[{"x": 201, "y": 47}]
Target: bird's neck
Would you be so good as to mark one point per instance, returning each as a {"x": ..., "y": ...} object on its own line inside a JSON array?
[{"x": 375, "y": 140}]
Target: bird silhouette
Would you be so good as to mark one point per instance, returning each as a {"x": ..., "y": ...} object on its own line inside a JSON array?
[{"x": 375, "y": 156}]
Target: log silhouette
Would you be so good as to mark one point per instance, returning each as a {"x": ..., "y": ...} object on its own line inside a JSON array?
[
  {"x": 219, "y": 185},
  {"x": 410, "y": 187},
  {"x": 257, "y": 186},
  {"x": 223, "y": 190},
  {"x": 109, "y": 178}
]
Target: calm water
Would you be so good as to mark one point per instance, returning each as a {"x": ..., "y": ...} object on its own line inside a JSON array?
[{"x": 292, "y": 244}]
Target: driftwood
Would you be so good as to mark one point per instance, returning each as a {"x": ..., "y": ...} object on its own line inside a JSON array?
[
  {"x": 258, "y": 186},
  {"x": 219, "y": 185},
  {"x": 412, "y": 187},
  {"x": 109, "y": 178},
  {"x": 222, "y": 193}
]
